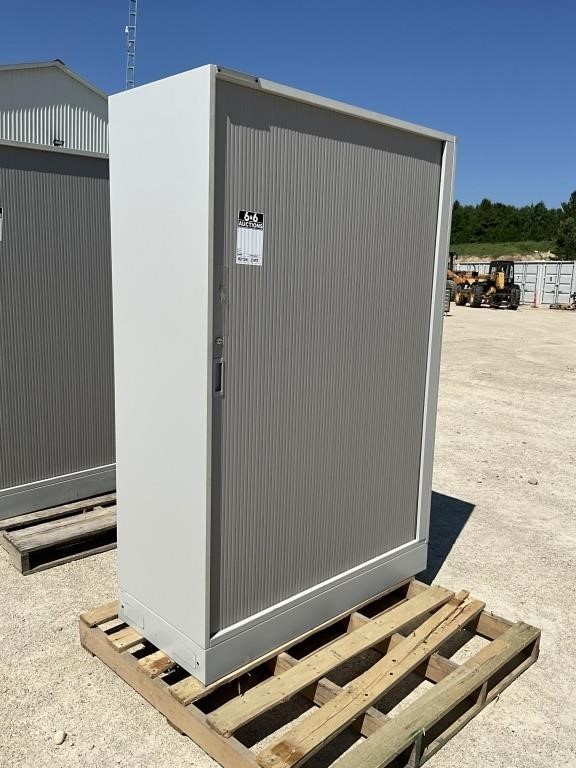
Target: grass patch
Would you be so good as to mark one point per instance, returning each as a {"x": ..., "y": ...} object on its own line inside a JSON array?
[{"x": 495, "y": 250}]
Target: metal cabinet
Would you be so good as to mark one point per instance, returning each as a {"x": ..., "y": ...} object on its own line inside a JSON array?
[{"x": 275, "y": 401}]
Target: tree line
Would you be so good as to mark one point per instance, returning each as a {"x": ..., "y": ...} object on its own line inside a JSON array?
[{"x": 490, "y": 222}]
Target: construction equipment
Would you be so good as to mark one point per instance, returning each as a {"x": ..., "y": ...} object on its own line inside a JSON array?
[
  {"x": 494, "y": 288},
  {"x": 453, "y": 277},
  {"x": 570, "y": 306}
]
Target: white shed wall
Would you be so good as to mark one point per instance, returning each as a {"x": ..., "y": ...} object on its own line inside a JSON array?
[{"x": 38, "y": 105}]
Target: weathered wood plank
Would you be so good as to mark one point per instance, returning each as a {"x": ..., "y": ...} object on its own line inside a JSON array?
[
  {"x": 100, "y": 615},
  {"x": 189, "y": 720},
  {"x": 491, "y": 626},
  {"x": 53, "y": 513},
  {"x": 55, "y": 532},
  {"x": 325, "y": 690},
  {"x": 124, "y": 638},
  {"x": 156, "y": 663},
  {"x": 16, "y": 558},
  {"x": 412, "y": 723},
  {"x": 436, "y": 667},
  {"x": 306, "y": 738},
  {"x": 241, "y": 710}
]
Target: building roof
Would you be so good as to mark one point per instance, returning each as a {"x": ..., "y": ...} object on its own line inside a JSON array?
[{"x": 56, "y": 64}]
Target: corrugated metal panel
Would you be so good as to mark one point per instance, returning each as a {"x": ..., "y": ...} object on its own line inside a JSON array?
[
  {"x": 40, "y": 105},
  {"x": 56, "y": 374},
  {"x": 316, "y": 443}
]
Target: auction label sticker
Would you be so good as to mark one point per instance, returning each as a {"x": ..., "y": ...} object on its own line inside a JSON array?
[{"x": 250, "y": 238}]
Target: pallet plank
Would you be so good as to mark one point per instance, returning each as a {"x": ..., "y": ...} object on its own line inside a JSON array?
[
  {"x": 306, "y": 738},
  {"x": 436, "y": 667},
  {"x": 237, "y": 712},
  {"x": 125, "y": 638},
  {"x": 325, "y": 690},
  {"x": 156, "y": 664},
  {"x": 53, "y": 513},
  {"x": 400, "y": 732},
  {"x": 189, "y": 720},
  {"x": 491, "y": 626},
  {"x": 100, "y": 615},
  {"x": 58, "y": 531}
]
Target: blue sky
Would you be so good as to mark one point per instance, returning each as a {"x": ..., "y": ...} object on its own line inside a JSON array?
[{"x": 500, "y": 74}]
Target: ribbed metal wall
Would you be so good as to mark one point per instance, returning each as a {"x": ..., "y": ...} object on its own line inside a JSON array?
[
  {"x": 56, "y": 355},
  {"x": 40, "y": 105},
  {"x": 316, "y": 443}
]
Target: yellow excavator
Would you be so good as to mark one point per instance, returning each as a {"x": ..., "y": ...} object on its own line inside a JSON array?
[{"x": 496, "y": 288}]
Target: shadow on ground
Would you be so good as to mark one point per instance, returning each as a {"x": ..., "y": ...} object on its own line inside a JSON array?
[{"x": 448, "y": 516}]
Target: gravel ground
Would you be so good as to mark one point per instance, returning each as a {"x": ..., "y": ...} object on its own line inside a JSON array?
[{"x": 503, "y": 526}]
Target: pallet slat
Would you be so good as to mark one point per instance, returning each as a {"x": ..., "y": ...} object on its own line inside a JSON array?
[
  {"x": 100, "y": 615},
  {"x": 277, "y": 689},
  {"x": 156, "y": 664},
  {"x": 125, "y": 638},
  {"x": 410, "y": 725},
  {"x": 53, "y": 513},
  {"x": 55, "y": 532},
  {"x": 325, "y": 690},
  {"x": 306, "y": 738}
]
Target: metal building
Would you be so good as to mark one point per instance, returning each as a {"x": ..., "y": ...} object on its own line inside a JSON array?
[
  {"x": 45, "y": 103},
  {"x": 275, "y": 403},
  {"x": 547, "y": 282},
  {"x": 56, "y": 357}
]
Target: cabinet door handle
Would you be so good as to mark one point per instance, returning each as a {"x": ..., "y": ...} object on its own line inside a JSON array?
[{"x": 218, "y": 377}]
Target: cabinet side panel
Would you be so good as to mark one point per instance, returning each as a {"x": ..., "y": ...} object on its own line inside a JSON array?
[{"x": 160, "y": 202}]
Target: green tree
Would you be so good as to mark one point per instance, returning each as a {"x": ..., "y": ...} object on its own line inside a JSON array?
[
  {"x": 490, "y": 222},
  {"x": 566, "y": 233}
]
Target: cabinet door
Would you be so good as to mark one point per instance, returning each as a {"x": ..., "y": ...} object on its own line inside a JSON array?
[
  {"x": 321, "y": 325},
  {"x": 56, "y": 348}
]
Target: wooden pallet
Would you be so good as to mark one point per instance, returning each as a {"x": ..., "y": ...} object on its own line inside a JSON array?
[
  {"x": 406, "y": 634},
  {"x": 50, "y": 537}
]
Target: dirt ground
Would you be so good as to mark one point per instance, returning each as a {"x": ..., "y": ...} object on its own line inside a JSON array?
[{"x": 503, "y": 526}]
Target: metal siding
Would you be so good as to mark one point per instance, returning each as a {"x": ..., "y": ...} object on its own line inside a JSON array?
[
  {"x": 40, "y": 105},
  {"x": 56, "y": 372},
  {"x": 317, "y": 440}
]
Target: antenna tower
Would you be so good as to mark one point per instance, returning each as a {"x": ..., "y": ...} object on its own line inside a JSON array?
[{"x": 131, "y": 43}]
